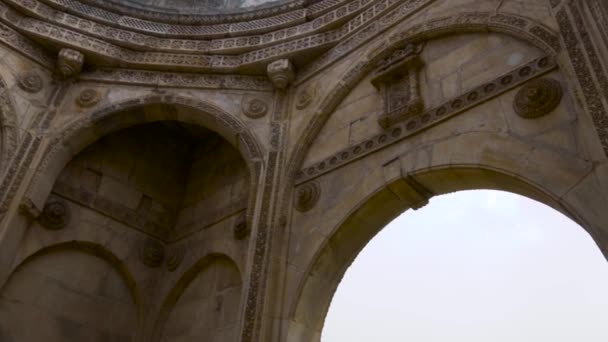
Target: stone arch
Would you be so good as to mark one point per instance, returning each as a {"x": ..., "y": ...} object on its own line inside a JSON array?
[
  {"x": 210, "y": 291},
  {"x": 409, "y": 183},
  {"x": 84, "y": 285},
  {"x": 75, "y": 137},
  {"x": 8, "y": 127},
  {"x": 519, "y": 27}
]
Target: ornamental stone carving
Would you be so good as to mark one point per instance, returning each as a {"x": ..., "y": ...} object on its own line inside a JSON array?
[
  {"x": 305, "y": 96},
  {"x": 281, "y": 73},
  {"x": 174, "y": 258},
  {"x": 307, "y": 196},
  {"x": 153, "y": 253},
  {"x": 397, "y": 79},
  {"x": 31, "y": 82},
  {"x": 88, "y": 98},
  {"x": 537, "y": 98},
  {"x": 241, "y": 229},
  {"x": 55, "y": 215},
  {"x": 69, "y": 62},
  {"x": 254, "y": 107}
]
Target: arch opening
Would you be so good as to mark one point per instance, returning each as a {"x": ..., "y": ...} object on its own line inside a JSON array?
[
  {"x": 335, "y": 254},
  {"x": 474, "y": 265}
]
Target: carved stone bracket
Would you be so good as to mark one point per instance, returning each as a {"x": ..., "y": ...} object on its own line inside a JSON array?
[
  {"x": 397, "y": 78},
  {"x": 241, "y": 229},
  {"x": 55, "y": 215},
  {"x": 281, "y": 73},
  {"x": 537, "y": 98},
  {"x": 409, "y": 190},
  {"x": 69, "y": 62},
  {"x": 307, "y": 196}
]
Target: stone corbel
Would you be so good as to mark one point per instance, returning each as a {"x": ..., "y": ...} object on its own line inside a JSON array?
[
  {"x": 69, "y": 62},
  {"x": 281, "y": 73},
  {"x": 405, "y": 186},
  {"x": 397, "y": 78}
]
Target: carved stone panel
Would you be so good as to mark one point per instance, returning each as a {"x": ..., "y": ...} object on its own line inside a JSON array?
[
  {"x": 397, "y": 78},
  {"x": 537, "y": 98}
]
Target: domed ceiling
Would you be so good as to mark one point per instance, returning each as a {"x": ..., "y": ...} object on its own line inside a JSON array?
[{"x": 198, "y": 6}]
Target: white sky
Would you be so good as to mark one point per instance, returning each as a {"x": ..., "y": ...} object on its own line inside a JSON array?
[{"x": 475, "y": 266}]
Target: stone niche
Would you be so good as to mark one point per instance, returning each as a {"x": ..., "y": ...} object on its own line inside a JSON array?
[
  {"x": 165, "y": 179},
  {"x": 67, "y": 294}
]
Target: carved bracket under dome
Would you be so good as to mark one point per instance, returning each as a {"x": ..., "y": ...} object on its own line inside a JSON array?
[{"x": 397, "y": 78}]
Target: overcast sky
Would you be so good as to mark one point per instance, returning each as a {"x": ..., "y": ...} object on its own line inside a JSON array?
[{"x": 475, "y": 266}]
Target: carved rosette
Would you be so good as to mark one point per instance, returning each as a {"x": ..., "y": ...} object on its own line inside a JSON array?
[
  {"x": 69, "y": 62},
  {"x": 254, "y": 107},
  {"x": 153, "y": 253},
  {"x": 397, "y": 78},
  {"x": 307, "y": 195},
  {"x": 241, "y": 229},
  {"x": 175, "y": 258},
  {"x": 55, "y": 215},
  {"x": 88, "y": 98},
  {"x": 537, "y": 98},
  {"x": 30, "y": 82},
  {"x": 281, "y": 73},
  {"x": 305, "y": 96}
]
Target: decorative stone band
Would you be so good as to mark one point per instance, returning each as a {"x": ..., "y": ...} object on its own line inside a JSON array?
[
  {"x": 132, "y": 53},
  {"x": 25, "y": 46},
  {"x": 522, "y": 27},
  {"x": 177, "y": 80},
  {"x": 423, "y": 121},
  {"x": 242, "y": 36}
]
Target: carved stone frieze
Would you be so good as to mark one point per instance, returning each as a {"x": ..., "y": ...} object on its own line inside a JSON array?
[
  {"x": 153, "y": 253},
  {"x": 176, "y": 79},
  {"x": 397, "y": 78},
  {"x": 55, "y": 215},
  {"x": 281, "y": 73},
  {"x": 537, "y": 98},
  {"x": 31, "y": 82},
  {"x": 254, "y": 107},
  {"x": 69, "y": 62},
  {"x": 430, "y": 117},
  {"x": 586, "y": 64},
  {"x": 88, "y": 98},
  {"x": 307, "y": 196}
]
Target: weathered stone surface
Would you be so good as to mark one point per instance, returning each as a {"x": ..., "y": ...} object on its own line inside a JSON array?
[{"x": 175, "y": 170}]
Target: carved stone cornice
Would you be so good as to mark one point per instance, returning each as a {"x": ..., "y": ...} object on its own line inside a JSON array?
[
  {"x": 429, "y": 118},
  {"x": 132, "y": 47},
  {"x": 176, "y": 79}
]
